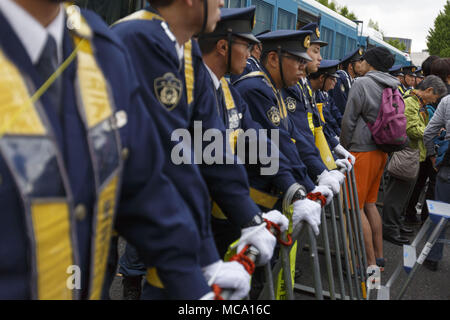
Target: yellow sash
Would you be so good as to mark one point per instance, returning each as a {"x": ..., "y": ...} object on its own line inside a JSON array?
[
  {"x": 229, "y": 102},
  {"x": 319, "y": 137},
  {"x": 320, "y": 109},
  {"x": 324, "y": 148}
]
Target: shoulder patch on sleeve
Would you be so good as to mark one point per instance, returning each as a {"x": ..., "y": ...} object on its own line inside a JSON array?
[
  {"x": 274, "y": 116},
  {"x": 168, "y": 90},
  {"x": 291, "y": 104}
]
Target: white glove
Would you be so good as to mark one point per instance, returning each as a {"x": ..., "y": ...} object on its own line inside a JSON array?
[
  {"x": 327, "y": 179},
  {"x": 229, "y": 276},
  {"x": 262, "y": 239},
  {"x": 341, "y": 151},
  {"x": 344, "y": 164},
  {"x": 277, "y": 217},
  {"x": 339, "y": 176},
  {"x": 325, "y": 191},
  {"x": 309, "y": 211},
  {"x": 209, "y": 296}
]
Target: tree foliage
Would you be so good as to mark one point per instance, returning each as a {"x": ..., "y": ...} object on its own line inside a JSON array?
[
  {"x": 438, "y": 39},
  {"x": 396, "y": 43},
  {"x": 374, "y": 25},
  {"x": 343, "y": 11}
]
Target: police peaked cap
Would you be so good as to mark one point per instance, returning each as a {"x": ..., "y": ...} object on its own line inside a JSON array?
[
  {"x": 235, "y": 21},
  {"x": 396, "y": 71},
  {"x": 354, "y": 55},
  {"x": 261, "y": 33},
  {"x": 329, "y": 68},
  {"x": 295, "y": 42},
  {"x": 315, "y": 36},
  {"x": 419, "y": 72},
  {"x": 409, "y": 70}
]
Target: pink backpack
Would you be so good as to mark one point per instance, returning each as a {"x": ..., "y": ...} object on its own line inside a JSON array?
[{"x": 389, "y": 129}]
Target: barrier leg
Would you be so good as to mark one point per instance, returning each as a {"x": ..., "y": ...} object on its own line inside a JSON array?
[
  {"x": 286, "y": 265},
  {"x": 357, "y": 239},
  {"x": 328, "y": 256},
  {"x": 269, "y": 281},
  {"x": 358, "y": 218},
  {"x": 352, "y": 250},
  {"x": 344, "y": 240},
  {"x": 297, "y": 235},
  {"x": 315, "y": 264},
  {"x": 423, "y": 255},
  {"x": 384, "y": 292},
  {"x": 337, "y": 248}
]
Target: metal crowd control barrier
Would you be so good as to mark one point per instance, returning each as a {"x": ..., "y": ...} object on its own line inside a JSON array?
[
  {"x": 411, "y": 263},
  {"x": 349, "y": 252}
]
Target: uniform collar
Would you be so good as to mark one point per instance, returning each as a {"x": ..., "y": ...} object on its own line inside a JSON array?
[
  {"x": 30, "y": 32},
  {"x": 213, "y": 77},
  {"x": 179, "y": 48}
]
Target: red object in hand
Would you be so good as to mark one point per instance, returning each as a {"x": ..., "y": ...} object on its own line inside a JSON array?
[
  {"x": 317, "y": 196},
  {"x": 271, "y": 225}
]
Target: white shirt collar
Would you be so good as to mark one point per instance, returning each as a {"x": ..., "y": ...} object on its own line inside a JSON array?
[
  {"x": 30, "y": 32},
  {"x": 179, "y": 48},
  {"x": 213, "y": 77}
]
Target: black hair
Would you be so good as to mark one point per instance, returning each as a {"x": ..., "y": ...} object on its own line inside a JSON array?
[
  {"x": 426, "y": 65},
  {"x": 441, "y": 68},
  {"x": 207, "y": 44},
  {"x": 160, "y": 3}
]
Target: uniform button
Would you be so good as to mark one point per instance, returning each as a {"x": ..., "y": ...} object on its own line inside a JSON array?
[{"x": 80, "y": 212}]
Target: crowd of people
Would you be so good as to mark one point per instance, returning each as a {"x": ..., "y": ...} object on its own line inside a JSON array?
[{"x": 89, "y": 134}]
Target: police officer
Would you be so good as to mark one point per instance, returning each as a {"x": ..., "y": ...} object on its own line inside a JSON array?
[
  {"x": 350, "y": 69},
  {"x": 310, "y": 93},
  {"x": 160, "y": 41},
  {"x": 253, "y": 62},
  {"x": 79, "y": 156},
  {"x": 397, "y": 71},
  {"x": 224, "y": 52},
  {"x": 325, "y": 79},
  {"x": 306, "y": 117},
  {"x": 284, "y": 57},
  {"x": 410, "y": 78},
  {"x": 419, "y": 76}
]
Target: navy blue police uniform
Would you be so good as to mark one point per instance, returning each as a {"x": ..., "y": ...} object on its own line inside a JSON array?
[
  {"x": 268, "y": 109},
  {"x": 331, "y": 114},
  {"x": 301, "y": 102},
  {"x": 345, "y": 81},
  {"x": 303, "y": 117},
  {"x": 252, "y": 63},
  {"x": 111, "y": 173},
  {"x": 236, "y": 117},
  {"x": 181, "y": 85}
]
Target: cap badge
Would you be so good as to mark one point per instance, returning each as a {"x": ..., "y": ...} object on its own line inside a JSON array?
[{"x": 307, "y": 42}]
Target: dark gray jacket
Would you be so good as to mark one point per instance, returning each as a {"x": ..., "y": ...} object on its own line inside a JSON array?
[{"x": 364, "y": 103}]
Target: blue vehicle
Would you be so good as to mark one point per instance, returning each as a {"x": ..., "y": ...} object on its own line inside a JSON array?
[{"x": 342, "y": 34}]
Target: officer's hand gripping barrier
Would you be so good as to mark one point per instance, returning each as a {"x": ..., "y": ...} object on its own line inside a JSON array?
[
  {"x": 349, "y": 250},
  {"x": 249, "y": 255}
]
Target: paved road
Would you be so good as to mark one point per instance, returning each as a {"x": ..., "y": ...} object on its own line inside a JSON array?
[{"x": 426, "y": 285}]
